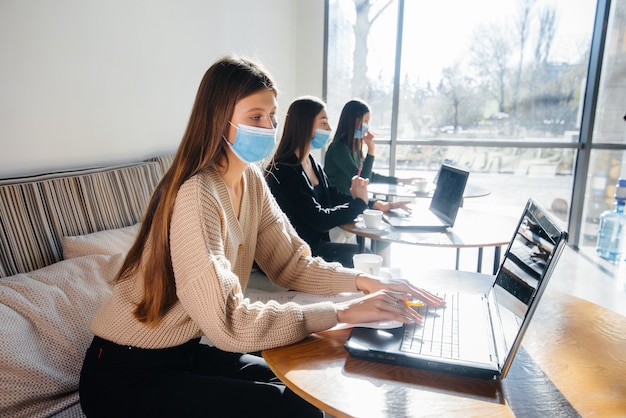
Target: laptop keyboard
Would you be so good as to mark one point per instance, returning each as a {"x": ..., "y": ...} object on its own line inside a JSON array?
[{"x": 439, "y": 336}]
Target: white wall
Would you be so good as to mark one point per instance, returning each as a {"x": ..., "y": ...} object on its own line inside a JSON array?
[{"x": 86, "y": 83}]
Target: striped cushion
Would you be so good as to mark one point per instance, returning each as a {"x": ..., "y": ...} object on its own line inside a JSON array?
[
  {"x": 165, "y": 161},
  {"x": 35, "y": 212}
]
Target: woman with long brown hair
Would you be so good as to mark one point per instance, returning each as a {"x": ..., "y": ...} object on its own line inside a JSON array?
[{"x": 208, "y": 220}]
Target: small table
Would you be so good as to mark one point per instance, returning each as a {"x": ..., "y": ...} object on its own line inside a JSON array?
[
  {"x": 472, "y": 229},
  {"x": 574, "y": 354},
  {"x": 408, "y": 192}
]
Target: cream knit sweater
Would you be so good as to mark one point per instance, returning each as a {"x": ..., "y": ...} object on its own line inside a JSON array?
[{"x": 212, "y": 254}]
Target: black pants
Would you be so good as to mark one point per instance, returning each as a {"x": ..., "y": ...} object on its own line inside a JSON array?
[
  {"x": 336, "y": 252},
  {"x": 191, "y": 380}
]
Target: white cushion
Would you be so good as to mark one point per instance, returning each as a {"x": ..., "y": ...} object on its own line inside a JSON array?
[
  {"x": 44, "y": 332},
  {"x": 108, "y": 242}
]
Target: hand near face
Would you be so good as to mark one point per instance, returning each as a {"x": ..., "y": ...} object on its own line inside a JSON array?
[
  {"x": 368, "y": 139},
  {"x": 358, "y": 188}
]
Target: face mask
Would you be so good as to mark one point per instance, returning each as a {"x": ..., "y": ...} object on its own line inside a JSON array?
[
  {"x": 358, "y": 133},
  {"x": 320, "y": 139},
  {"x": 253, "y": 144}
]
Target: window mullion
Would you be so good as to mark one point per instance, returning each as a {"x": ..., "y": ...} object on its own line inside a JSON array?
[
  {"x": 588, "y": 116},
  {"x": 396, "y": 91}
]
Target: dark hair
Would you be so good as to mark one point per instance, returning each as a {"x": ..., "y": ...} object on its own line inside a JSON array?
[
  {"x": 224, "y": 84},
  {"x": 351, "y": 113},
  {"x": 297, "y": 128}
]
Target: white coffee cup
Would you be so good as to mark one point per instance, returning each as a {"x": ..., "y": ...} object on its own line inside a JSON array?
[
  {"x": 420, "y": 185},
  {"x": 368, "y": 263},
  {"x": 372, "y": 218}
]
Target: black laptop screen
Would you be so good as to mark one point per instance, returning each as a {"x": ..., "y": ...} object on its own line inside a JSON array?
[{"x": 448, "y": 194}]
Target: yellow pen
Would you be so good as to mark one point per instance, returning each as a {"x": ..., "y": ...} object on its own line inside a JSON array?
[{"x": 413, "y": 303}]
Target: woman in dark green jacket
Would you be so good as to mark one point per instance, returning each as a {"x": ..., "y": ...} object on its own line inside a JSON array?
[{"x": 344, "y": 156}]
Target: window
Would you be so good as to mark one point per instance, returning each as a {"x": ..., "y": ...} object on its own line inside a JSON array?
[{"x": 508, "y": 89}]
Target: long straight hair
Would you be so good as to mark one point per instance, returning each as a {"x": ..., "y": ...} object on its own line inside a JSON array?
[
  {"x": 224, "y": 84},
  {"x": 297, "y": 129},
  {"x": 351, "y": 113}
]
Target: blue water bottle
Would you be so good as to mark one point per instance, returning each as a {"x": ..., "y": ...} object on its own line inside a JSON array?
[{"x": 612, "y": 231}]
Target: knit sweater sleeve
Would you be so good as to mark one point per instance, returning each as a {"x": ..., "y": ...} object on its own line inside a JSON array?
[
  {"x": 286, "y": 258},
  {"x": 211, "y": 257}
]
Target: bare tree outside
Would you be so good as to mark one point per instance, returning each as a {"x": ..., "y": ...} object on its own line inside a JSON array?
[
  {"x": 544, "y": 95},
  {"x": 521, "y": 89},
  {"x": 456, "y": 91},
  {"x": 490, "y": 55},
  {"x": 522, "y": 25},
  {"x": 367, "y": 12},
  {"x": 545, "y": 37},
  {"x": 511, "y": 87}
]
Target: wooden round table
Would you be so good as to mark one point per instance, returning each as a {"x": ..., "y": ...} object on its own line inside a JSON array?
[
  {"x": 472, "y": 229},
  {"x": 572, "y": 362},
  {"x": 391, "y": 191}
]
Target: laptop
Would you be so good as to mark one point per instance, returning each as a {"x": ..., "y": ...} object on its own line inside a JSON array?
[
  {"x": 444, "y": 205},
  {"x": 476, "y": 334}
]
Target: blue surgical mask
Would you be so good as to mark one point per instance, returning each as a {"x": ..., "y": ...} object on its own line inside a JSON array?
[
  {"x": 358, "y": 133},
  {"x": 253, "y": 144},
  {"x": 320, "y": 139}
]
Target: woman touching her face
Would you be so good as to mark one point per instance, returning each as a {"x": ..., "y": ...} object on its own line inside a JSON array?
[{"x": 345, "y": 157}]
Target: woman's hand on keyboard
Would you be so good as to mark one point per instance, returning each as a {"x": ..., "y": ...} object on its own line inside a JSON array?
[
  {"x": 383, "y": 305},
  {"x": 371, "y": 284}
]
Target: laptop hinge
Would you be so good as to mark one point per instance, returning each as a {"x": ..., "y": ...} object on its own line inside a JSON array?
[{"x": 498, "y": 342}]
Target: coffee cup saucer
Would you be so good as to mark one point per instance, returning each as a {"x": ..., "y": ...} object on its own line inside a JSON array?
[
  {"x": 383, "y": 227},
  {"x": 423, "y": 192}
]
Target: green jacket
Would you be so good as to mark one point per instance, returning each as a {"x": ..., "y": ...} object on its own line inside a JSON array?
[{"x": 341, "y": 164}]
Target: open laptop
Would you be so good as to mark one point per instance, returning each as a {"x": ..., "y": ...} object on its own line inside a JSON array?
[
  {"x": 444, "y": 205},
  {"x": 484, "y": 331}
]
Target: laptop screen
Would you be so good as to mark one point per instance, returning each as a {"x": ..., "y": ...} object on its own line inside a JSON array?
[
  {"x": 538, "y": 240},
  {"x": 448, "y": 194}
]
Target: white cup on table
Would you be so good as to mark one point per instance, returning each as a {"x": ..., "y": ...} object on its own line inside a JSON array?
[
  {"x": 420, "y": 185},
  {"x": 368, "y": 263},
  {"x": 372, "y": 218}
]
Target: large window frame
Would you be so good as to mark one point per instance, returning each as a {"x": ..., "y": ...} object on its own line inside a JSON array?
[{"x": 583, "y": 147}]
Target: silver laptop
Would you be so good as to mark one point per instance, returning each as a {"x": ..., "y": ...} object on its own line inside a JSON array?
[
  {"x": 444, "y": 206},
  {"x": 476, "y": 335}
]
